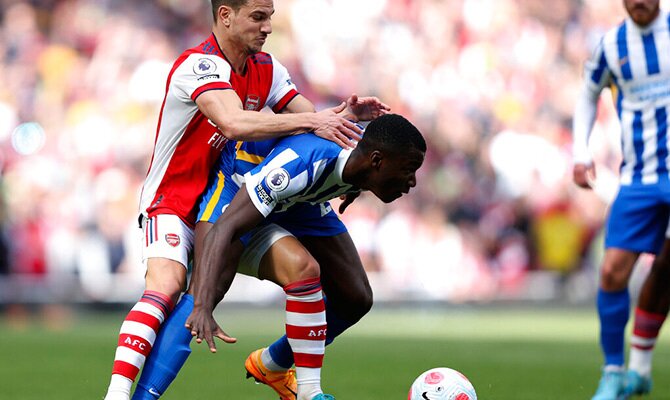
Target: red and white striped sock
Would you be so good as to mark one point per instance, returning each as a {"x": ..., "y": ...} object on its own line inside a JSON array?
[
  {"x": 306, "y": 333},
  {"x": 645, "y": 332},
  {"x": 136, "y": 339}
]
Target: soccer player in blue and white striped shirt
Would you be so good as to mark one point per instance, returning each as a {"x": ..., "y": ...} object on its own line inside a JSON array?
[
  {"x": 302, "y": 169},
  {"x": 633, "y": 59}
]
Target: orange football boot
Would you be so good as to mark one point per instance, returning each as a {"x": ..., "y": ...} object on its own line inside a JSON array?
[{"x": 282, "y": 382}]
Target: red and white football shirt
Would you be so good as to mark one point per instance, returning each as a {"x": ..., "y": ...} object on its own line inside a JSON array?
[{"x": 187, "y": 144}]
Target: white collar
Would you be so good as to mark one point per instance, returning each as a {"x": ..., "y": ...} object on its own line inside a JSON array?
[{"x": 341, "y": 162}]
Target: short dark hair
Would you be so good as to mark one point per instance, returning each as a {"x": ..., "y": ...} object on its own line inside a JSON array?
[
  {"x": 394, "y": 133},
  {"x": 234, "y": 4}
]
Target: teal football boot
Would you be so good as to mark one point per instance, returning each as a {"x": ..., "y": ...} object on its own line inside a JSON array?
[
  {"x": 637, "y": 384},
  {"x": 611, "y": 386},
  {"x": 323, "y": 397}
]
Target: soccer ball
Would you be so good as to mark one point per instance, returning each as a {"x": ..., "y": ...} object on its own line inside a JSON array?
[{"x": 442, "y": 384}]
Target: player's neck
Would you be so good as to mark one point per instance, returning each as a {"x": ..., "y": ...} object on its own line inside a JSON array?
[
  {"x": 234, "y": 54},
  {"x": 354, "y": 172}
]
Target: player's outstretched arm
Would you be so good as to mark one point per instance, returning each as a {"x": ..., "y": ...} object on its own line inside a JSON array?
[
  {"x": 224, "y": 109},
  {"x": 216, "y": 267}
]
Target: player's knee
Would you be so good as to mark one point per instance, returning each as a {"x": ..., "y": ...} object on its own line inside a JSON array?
[
  {"x": 660, "y": 269},
  {"x": 166, "y": 276},
  {"x": 361, "y": 305},
  {"x": 616, "y": 269},
  {"x": 614, "y": 277},
  {"x": 305, "y": 267},
  {"x": 355, "y": 305}
]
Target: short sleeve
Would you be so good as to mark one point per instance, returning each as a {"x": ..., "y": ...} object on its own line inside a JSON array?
[
  {"x": 283, "y": 90},
  {"x": 282, "y": 175},
  {"x": 200, "y": 73}
]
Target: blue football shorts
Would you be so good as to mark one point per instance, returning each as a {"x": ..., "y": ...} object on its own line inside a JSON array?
[{"x": 638, "y": 219}]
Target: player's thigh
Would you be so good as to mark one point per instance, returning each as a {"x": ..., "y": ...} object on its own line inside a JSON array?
[
  {"x": 167, "y": 248},
  {"x": 343, "y": 277},
  {"x": 165, "y": 276},
  {"x": 272, "y": 253}
]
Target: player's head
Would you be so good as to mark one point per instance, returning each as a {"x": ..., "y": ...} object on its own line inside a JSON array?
[
  {"x": 393, "y": 150},
  {"x": 246, "y": 23},
  {"x": 642, "y": 12}
]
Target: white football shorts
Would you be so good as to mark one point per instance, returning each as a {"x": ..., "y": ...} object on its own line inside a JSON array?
[
  {"x": 167, "y": 236},
  {"x": 257, "y": 243}
]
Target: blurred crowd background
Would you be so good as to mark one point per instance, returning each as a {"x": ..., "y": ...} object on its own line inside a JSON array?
[{"x": 491, "y": 84}]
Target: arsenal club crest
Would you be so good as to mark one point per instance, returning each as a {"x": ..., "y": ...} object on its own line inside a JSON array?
[
  {"x": 252, "y": 103},
  {"x": 172, "y": 239}
]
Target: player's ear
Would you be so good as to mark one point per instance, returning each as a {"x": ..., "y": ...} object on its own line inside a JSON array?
[
  {"x": 224, "y": 14},
  {"x": 376, "y": 158}
]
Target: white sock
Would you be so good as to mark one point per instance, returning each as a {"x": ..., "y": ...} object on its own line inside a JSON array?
[
  {"x": 268, "y": 362},
  {"x": 613, "y": 368},
  {"x": 119, "y": 388},
  {"x": 309, "y": 382},
  {"x": 640, "y": 361}
]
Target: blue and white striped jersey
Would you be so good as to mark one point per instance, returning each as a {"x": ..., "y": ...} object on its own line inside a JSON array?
[
  {"x": 300, "y": 169},
  {"x": 636, "y": 63}
]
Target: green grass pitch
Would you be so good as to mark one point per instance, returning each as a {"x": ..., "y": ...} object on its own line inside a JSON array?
[{"x": 508, "y": 353}]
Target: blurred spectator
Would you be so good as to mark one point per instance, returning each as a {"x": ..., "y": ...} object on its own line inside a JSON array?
[{"x": 491, "y": 83}]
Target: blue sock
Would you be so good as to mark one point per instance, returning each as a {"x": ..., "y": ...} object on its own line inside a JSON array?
[
  {"x": 170, "y": 351},
  {"x": 281, "y": 351},
  {"x": 613, "y": 310}
]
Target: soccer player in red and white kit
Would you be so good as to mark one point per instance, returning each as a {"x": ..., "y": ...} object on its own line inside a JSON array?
[{"x": 212, "y": 93}]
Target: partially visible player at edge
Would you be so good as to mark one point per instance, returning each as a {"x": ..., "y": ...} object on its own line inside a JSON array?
[
  {"x": 634, "y": 58},
  {"x": 300, "y": 170},
  {"x": 200, "y": 112}
]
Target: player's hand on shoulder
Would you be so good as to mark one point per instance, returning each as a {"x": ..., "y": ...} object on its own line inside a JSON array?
[
  {"x": 202, "y": 325},
  {"x": 332, "y": 126},
  {"x": 365, "y": 108},
  {"x": 583, "y": 175}
]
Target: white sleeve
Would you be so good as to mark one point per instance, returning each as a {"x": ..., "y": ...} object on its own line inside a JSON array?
[
  {"x": 283, "y": 89},
  {"x": 582, "y": 124},
  {"x": 596, "y": 76},
  {"x": 280, "y": 176},
  {"x": 199, "y": 73}
]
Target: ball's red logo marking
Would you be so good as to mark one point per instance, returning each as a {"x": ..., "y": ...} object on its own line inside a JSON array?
[{"x": 433, "y": 378}]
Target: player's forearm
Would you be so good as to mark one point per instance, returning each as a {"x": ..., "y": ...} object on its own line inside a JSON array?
[
  {"x": 212, "y": 277},
  {"x": 254, "y": 126},
  {"x": 223, "y": 284},
  {"x": 299, "y": 104},
  {"x": 582, "y": 124},
  {"x": 224, "y": 110}
]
